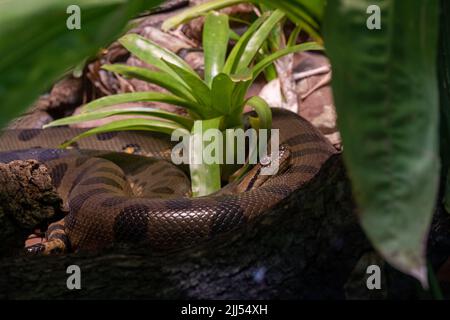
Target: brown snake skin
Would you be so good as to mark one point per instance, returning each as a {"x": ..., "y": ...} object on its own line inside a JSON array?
[{"x": 116, "y": 197}]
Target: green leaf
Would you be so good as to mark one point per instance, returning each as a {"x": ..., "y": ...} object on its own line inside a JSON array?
[
  {"x": 263, "y": 111},
  {"x": 37, "y": 48},
  {"x": 161, "y": 79},
  {"x": 205, "y": 177},
  {"x": 221, "y": 93},
  {"x": 238, "y": 49},
  {"x": 216, "y": 34},
  {"x": 153, "y": 54},
  {"x": 306, "y": 13},
  {"x": 197, "y": 11},
  {"x": 267, "y": 61},
  {"x": 138, "y": 111},
  {"x": 244, "y": 75},
  {"x": 233, "y": 35},
  {"x": 242, "y": 88},
  {"x": 198, "y": 88},
  {"x": 385, "y": 91},
  {"x": 292, "y": 41},
  {"x": 139, "y": 97},
  {"x": 130, "y": 125},
  {"x": 243, "y": 82}
]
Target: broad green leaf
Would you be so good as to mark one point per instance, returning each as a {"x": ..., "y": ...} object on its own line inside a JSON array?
[
  {"x": 238, "y": 49},
  {"x": 139, "y": 97},
  {"x": 198, "y": 88},
  {"x": 137, "y": 111},
  {"x": 221, "y": 93},
  {"x": 197, "y": 11},
  {"x": 37, "y": 47},
  {"x": 215, "y": 44},
  {"x": 385, "y": 91},
  {"x": 444, "y": 90},
  {"x": 161, "y": 79},
  {"x": 263, "y": 111},
  {"x": 205, "y": 177},
  {"x": 165, "y": 127},
  {"x": 153, "y": 54}
]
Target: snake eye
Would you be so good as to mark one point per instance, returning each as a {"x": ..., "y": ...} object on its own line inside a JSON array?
[{"x": 283, "y": 152}]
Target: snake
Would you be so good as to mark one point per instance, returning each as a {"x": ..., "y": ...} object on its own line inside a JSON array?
[{"x": 121, "y": 187}]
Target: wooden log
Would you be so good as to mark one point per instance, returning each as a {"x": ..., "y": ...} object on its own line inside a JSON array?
[{"x": 309, "y": 247}]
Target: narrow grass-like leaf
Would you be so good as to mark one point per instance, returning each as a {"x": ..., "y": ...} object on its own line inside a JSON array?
[
  {"x": 263, "y": 111},
  {"x": 385, "y": 91},
  {"x": 292, "y": 41},
  {"x": 238, "y": 49},
  {"x": 242, "y": 88},
  {"x": 215, "y": 44},
  {"x": 234, "y": 36},
  {"x": 205, "y": 177},
  {"x": 139, "y": 97},
  {"x": 161, "y": 79},
  {"x": 264, "y": 63},
  {"x": 135, "y": 111},
  {"x": 306, "y": 13},
  {"x": 197, "y": 11},
  {"x": 270, "y": 73},
  {"x": 129, "y": 125},
  {"x": 152, "y": 53},
  {"x": 243, "y": 82},
  {"x": 257, "y": 39},
  {"x": 199, "y": 89}
]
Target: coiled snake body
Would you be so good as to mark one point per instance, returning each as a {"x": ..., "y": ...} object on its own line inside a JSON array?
[{"x": 112, "y": 196}]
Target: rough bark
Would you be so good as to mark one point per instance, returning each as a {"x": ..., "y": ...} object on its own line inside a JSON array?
[
  {"x": 27, "y": 198},
  {"x": 306, "y": 248}
]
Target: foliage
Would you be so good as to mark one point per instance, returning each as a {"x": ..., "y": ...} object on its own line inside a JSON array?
[
  {"x": 217, "y": 101},
  {"x": 384, "y": 85},
  {"x": 37, "y": 48},
  {"x": 386, "y": 95},
  {"x": 307, "y": 13}
]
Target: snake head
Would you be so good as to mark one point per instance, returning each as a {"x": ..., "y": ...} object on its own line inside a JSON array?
[
  {"x": 280, "y": 159},
  {"x": 256, "y": 177}
]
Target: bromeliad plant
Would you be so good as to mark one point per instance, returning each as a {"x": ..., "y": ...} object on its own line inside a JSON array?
[{"x": 215, "y": 102}]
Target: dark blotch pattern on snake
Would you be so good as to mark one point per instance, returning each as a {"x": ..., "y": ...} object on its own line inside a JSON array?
[{"x": 114, "y": 197}]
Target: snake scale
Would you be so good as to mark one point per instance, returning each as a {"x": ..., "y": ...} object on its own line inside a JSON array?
[{"x": 120, "y": 187}]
